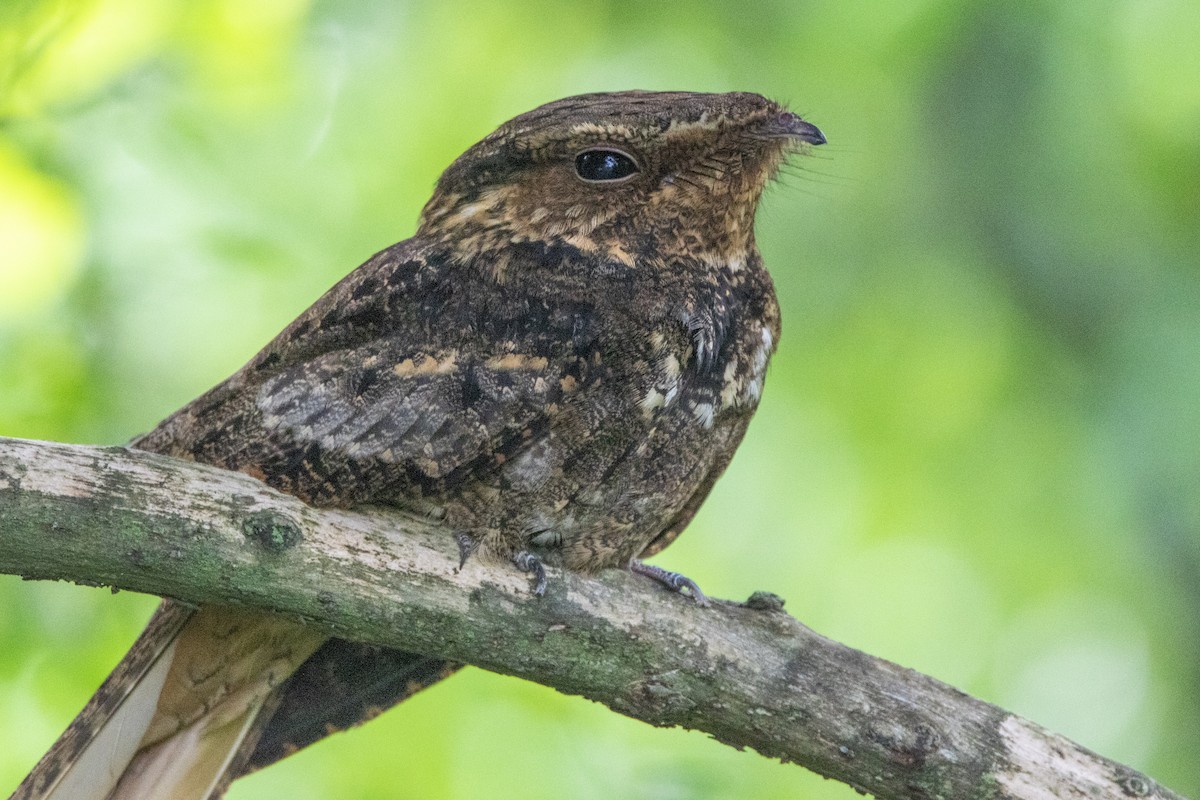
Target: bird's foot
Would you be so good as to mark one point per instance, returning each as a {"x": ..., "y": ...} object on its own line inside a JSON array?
[
  {"x": 528, "y": 562},
  {"x": 672, "y": 580},
  {"x": 466, "y": 547}
]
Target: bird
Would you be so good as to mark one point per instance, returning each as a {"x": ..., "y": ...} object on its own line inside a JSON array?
[{"x": 558, "y": 365}]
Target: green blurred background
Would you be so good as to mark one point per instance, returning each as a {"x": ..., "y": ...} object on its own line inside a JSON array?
[{"x": 979, "y": 449}]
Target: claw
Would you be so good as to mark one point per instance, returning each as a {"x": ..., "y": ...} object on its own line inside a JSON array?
[
  {"x": 466, "y": 546},
  {"x": 672, "y": 580},
  {"x": 528, "y": 562}
]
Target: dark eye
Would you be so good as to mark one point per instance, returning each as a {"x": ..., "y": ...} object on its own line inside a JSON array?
[{"x": 604, "y": 165}]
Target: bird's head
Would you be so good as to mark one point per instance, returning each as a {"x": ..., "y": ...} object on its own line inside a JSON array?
[{"x": 625, "y": 176}]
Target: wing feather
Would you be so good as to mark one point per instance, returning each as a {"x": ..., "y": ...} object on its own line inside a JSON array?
[{"x": 438, "y": 410}]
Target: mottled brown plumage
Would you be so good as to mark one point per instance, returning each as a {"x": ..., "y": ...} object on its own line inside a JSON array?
[{"x": 558, "y": 365}]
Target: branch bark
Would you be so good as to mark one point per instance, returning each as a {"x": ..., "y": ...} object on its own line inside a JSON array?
[{"x": 748, "y": 674}]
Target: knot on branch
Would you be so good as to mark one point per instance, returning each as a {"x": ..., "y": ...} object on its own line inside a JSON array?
[
  {"x": 272, "y": 530},
  {"x": 764, "y": 601},
  {"x": 1136, "y": 785}
]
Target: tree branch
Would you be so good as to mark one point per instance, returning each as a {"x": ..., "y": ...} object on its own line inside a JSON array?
[{"x": 748, "y": 674}]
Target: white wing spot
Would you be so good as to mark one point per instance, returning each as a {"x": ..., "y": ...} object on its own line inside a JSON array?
[{"x": 653, "y": 401}]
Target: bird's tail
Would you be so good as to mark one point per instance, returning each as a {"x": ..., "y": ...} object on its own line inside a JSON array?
[{"x": 173, "y": 717}]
